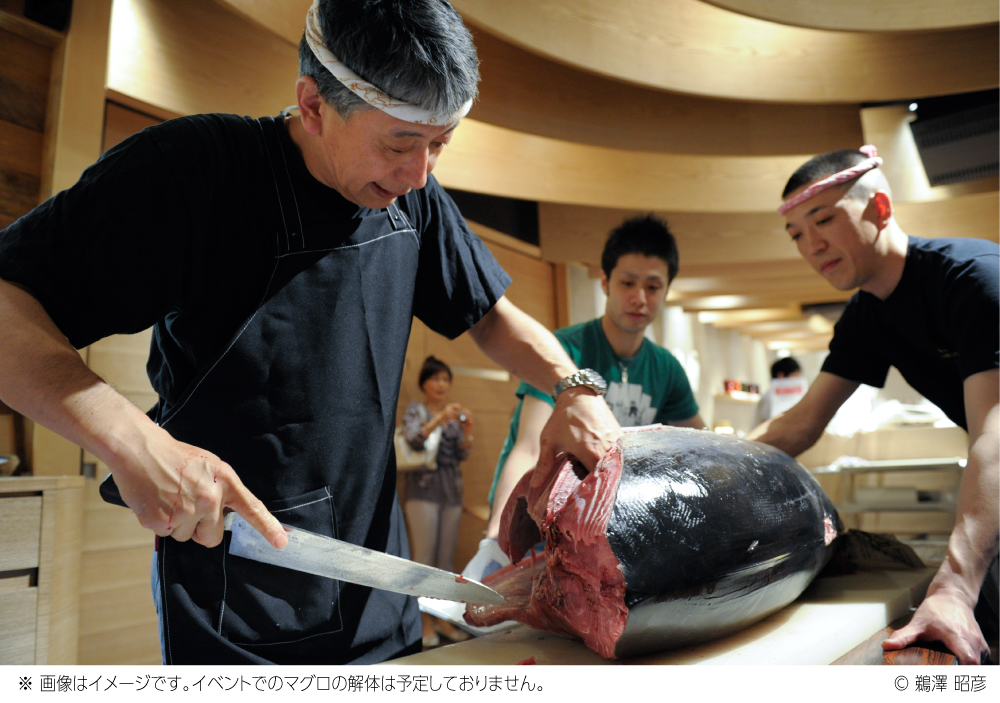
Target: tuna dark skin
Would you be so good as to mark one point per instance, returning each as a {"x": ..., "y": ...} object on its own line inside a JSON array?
[{"x": 679, "y": 536}]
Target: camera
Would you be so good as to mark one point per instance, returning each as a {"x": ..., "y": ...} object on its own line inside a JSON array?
[{"x": 462, "y": 417}]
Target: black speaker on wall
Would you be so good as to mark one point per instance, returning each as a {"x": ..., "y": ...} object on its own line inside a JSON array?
[
  {"x": 957, "y": 136},
  {"x": 51, "y": 13}
]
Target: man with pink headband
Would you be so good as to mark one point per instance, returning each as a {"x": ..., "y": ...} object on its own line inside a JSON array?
[
  {"x": 929, "y": 307},
  {"x": 280, "y": 262}
]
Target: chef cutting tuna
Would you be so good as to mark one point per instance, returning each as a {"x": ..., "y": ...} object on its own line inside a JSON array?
[{"x": 279, "y": 262}]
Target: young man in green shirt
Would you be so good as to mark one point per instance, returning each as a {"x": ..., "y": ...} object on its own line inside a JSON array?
[{"x": 646, "y": 384}]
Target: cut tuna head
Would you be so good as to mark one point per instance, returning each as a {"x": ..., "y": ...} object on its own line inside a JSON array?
[{"x": 677, "y": 536}]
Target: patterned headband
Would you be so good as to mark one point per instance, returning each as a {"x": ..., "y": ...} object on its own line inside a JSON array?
[
  {"x": 849, "y": 174},
  {"x": 366, "y": 91}
]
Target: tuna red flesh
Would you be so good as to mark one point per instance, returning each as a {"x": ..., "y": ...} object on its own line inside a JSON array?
[{"x": 576, "y": 587}]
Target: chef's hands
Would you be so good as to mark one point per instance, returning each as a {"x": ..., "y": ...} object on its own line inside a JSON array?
[
  {"x": 945, "y": 616},
  {"x": 582, "y": 425},
  {"x": 181, "y": 491}
]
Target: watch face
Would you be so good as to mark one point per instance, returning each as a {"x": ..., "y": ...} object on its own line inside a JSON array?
[{"x": 594, "y": 379}]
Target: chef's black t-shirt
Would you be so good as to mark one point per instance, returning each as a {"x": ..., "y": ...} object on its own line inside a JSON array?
[
  {"x": 939, "y": 326},
  {"x": 175, "y": 228}
]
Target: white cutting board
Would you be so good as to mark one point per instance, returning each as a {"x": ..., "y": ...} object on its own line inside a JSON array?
[{"x": 830, "y": 618}]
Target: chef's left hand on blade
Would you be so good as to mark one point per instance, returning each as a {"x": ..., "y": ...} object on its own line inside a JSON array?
[{"x": 581, "y": 425}]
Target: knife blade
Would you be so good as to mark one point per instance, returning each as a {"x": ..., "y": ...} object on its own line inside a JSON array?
[{"x": 332, "y": 558}]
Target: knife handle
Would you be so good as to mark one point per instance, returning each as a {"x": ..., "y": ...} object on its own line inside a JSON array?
[{"x": 110, "y": 493}]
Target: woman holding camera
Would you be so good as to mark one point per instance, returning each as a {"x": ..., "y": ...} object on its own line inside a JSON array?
[{"x": 432, "y": 498}]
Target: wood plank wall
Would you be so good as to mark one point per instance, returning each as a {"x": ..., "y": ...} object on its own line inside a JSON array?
[
  {"x": 24, "y": 86},
  {"x": 27, "y": 54}
]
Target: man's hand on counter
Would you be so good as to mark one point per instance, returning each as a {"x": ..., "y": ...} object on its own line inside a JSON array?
[
  {"x": 582, "y": 425},
  {"x": 181, "y": 491},
  {"x": 945, "y": 617}
]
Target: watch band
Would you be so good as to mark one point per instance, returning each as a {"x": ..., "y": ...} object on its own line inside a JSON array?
[{"x": 584, "y": 377}]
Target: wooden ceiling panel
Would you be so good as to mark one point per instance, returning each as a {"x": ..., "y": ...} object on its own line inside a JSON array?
[
  {"x": 868, "y": 16},
  {"x": 488, "y": 159},
  {"x": 286, "y": 18},
  {"x": 190, "y": 56},
  {"x": 976, "y": 215},
  {"x": 812, "y": 296},
  {"x": 690, "y": 47},
  {"x": 686, "y": 287},
  {"x": 740, "y": 318},
  {"x": 159, "y": 56},
  {"x": 522, "y": 91},
  {"x": 525, "y": 92},
  {"x": 751, "y": 243},
  {"x": 573, "y": 233}
]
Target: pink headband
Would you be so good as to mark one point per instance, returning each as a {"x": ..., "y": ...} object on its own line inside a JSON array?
[{"x": 868, "y": 164}]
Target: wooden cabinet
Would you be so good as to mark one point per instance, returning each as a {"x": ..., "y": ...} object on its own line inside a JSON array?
[{"x": 41, "y": 523}]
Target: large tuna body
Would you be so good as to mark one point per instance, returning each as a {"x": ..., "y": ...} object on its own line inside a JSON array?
[{"x": 677, "y": 537}]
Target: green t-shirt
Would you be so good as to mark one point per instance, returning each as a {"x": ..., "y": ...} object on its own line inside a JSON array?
[{"x": 654, "y": 389}]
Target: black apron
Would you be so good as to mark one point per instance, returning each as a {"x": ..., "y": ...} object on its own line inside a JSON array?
[{"x": 301, "y": 403}]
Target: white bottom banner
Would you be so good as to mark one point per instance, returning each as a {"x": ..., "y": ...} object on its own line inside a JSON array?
[{"x": 542, "y": 683}]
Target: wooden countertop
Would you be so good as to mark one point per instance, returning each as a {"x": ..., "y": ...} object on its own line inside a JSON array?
[{"x": 829, "y": 620}]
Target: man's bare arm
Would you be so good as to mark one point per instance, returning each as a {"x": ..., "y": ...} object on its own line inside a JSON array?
[
  {"x": 521, "y": 345},
  {"x": 694, "y": 422},
  {"x": 523, "y": 456},
  {"x": 582, "y": 423},
  {"x": 799, "y": 428},
  {"x": 173, "y": 488},
  {"x": 946, "y": 613}
]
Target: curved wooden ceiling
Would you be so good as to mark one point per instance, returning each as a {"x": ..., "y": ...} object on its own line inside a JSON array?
[
  {"x": 493, "y": 160},
  {"x": 688, "y": 46},
  {"x": 869, "y": 16},
  {"x": 599, "y": 108},
  {"x": 525, "y": 92},
  {"x": 528, "y": 93}
]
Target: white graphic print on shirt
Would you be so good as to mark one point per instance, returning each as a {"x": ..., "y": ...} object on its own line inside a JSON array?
[{"x": 630, "y": 406}]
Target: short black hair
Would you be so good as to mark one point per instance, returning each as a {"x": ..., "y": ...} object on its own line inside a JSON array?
[
  {"x": 822, "y": 166},
  {"x": 432, "y": 366},
  {"x": 786, "y": 367},
  {"x": 645, "y": 234},
  {"x": 417, "y": 51}
]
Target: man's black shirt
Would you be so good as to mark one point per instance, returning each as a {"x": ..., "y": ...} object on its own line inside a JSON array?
[
  {"x": 939, "y": 326},
  {"x": 174, "y": 227}
]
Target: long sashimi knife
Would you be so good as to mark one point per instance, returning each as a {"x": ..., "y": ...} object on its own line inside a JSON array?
[{"x": 332, "y": 558}]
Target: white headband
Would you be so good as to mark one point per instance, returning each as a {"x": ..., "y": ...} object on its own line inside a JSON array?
[{"x": 366, "y": 91}]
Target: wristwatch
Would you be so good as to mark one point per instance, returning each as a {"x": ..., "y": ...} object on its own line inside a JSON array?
[{"x": 584, "y": 377}]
